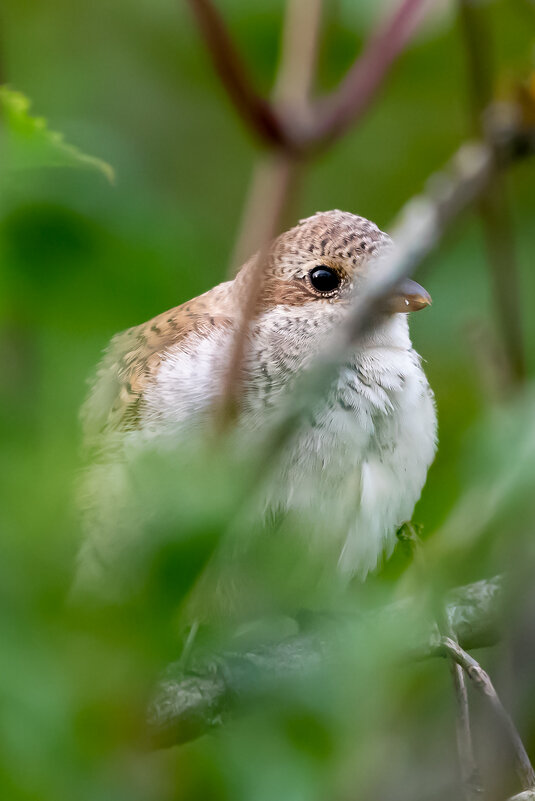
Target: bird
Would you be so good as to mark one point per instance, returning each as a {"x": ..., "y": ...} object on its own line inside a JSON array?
[{"x": 360, "y": 460}]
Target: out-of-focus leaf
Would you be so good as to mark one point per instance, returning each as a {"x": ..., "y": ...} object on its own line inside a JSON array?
[
  {"x": 29, "y": 143},
  {"x": 499, "y": 464}
]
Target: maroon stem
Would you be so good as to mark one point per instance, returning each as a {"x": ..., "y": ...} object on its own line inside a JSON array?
[
  {"x": 329, "y": 117},
  {"x": 257, "y": 112},
  {"x": 283, "y": 178},
  {"x": 344, "y": 106}
]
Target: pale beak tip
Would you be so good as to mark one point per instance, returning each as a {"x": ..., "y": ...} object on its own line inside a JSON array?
[
  {"x": 422, "y": 300},
  {"x": 411, "y": 297}
]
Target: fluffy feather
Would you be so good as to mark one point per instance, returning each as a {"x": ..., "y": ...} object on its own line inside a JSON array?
[{"x": 360, "y": 463}]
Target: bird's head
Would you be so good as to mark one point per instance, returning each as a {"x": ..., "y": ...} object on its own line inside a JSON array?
[
  {"x": 316, "y": 270},
  {"x": 313, "y": 276},
  {"x": 326, "y": 259}
]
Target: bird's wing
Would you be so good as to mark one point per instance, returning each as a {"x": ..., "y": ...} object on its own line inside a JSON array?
[{"x": 132, "y": 360}]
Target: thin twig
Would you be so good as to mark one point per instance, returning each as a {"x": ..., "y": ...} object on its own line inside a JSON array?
[
  {"x": 480, "y": 60},
  {"x": 495, "y": 215},
  {"x": 257, "y": 112},
  {"x": 187, "y": 703},
  {"x": 281, "y": 185},
  {"x": 483, "y": 684},
  {"x": 422, "y": 224},
  {"x": 424, "y": 220},
  {"x": 471, "y": 781},
  {"x": 291, "y": 95},
  {"x": 470, "y": 776},
  {"x": 260, "y": 194},
  {"x": 493, "y": 205},
  {"x": 275, "y": 177},
  {"x": 258, "y": 197},
  {"x": 335, "y": 113},
  {"x": 329, "y": 117},
  {"x": 298, "y": 58}
]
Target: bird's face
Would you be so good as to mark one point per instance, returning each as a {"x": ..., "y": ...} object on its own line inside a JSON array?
[{"x": 317, "y": 269}]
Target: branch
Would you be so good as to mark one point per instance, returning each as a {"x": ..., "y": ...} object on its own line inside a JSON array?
[
  {"x": 283, "y": 176},
  {"x": 291, "y": 94},
  {"x": 256, "y": 111},
  {"x": 471, "y": 779},
  {"x": 189, "y": 703},
  {"x": 481, "y": 681},
  {"x": 337, "y": 112},
  {"x": 424, "y": 220},
  {"x": 293, "y": 131},
  {"x": 409, "y": 535},
  {"x": 274, "y": 181},
  {"x": 298, "y": 58},
  {"x": 329, "y": 118}
]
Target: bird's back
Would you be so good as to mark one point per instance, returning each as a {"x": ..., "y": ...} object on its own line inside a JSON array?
[
  {"x": 133, "y": 359},
  {"x": 355, "y": 470}
]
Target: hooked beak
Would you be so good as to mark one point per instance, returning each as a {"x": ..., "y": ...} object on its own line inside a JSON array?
[{"x": 408, "y": 297}]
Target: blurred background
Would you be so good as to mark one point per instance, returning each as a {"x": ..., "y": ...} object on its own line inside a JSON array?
[{"x": 82, "y": 258}]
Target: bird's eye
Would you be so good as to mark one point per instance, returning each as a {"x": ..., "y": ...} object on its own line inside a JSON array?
[{"x": 324, "y": 278}]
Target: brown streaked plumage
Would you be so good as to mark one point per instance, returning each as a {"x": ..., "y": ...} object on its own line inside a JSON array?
[
  {"x": 134, "y": 356},
  {"x": 354, "y": 469}
]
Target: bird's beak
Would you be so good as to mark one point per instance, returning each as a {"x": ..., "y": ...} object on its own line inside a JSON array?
[{"x": 408, "y": 297}]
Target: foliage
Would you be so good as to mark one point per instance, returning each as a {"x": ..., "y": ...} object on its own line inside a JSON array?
[
  {"x": 29, "y": 143},
  {"x": 79, "y": 260}
]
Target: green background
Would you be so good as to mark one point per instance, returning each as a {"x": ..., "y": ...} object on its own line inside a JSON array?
[{"x": 130, "y": 82}]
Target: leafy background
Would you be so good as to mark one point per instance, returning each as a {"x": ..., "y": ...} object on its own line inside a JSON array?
[{"x": 82, "y": 258}]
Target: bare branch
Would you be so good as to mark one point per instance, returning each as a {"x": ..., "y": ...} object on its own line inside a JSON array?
[
  {"x": 481, "y": 681},
  {"x": 257, "y": 112},
  {"x": 334, "y": 114},
  {"x": 408, "y": 534},
  {"x": 465, "y": 748},
  {"x": 188, "y": 703},
  {"x": 479, "y": 57},
  {"x": 281, "y": 185},
  {"x": 424, "y": 220},
  {"x": 271, "y": 190},
  {"x": 275, "y": 177},
  {"x": 307, "y": 129},
  {"x": 260, "y": 194},
  {"x": 293, "y": 84},
  {"x": 299, "y": 52},
  {"x": 422, "y": 224}
]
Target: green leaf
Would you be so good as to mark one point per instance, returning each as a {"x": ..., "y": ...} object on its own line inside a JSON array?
[{"x": 29, "y": 143}]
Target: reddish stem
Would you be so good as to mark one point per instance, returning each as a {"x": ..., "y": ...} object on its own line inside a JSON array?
[
  {"x": 335, "y": 113},
  {"x": 257, "y": 112}
]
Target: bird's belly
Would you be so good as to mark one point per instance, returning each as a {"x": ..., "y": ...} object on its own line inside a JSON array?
[{"x": 357, "y": 472}]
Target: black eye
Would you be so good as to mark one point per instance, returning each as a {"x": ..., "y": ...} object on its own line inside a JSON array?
[{"x": 324, "y": 278}]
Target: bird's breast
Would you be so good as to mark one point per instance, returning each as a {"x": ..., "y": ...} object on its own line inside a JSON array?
[{"x": 357, "y": 468}]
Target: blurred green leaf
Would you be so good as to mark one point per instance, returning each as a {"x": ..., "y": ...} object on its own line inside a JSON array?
[
  {"x": 78, "y": 263},
  {"x": 30, "y": 143}
]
